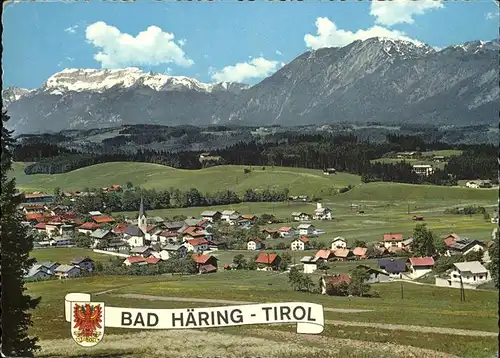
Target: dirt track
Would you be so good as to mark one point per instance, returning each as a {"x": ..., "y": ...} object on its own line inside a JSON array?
[{"x": 394, "y": 327}]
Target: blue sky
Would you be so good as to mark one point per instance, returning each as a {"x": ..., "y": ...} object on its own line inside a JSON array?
[{"x": 235, "y": 41}]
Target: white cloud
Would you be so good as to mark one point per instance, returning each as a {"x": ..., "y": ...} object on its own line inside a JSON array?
[
  {"x": 401, "y": 11},
  {"x": 255, "y": 68},
  {"x": 149, "y": 48},
  {"x": 70, "y": 59},
  {"x": 182, "y": 42},
  {"x": 278, "y": 52},
  {"x": 492, "y": 15},
  {"x": 71, "y": 29},
  {"x": 328, "y": 35}
]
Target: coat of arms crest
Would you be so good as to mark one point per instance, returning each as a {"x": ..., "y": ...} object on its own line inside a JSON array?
[{"x": 87, "y": 323}]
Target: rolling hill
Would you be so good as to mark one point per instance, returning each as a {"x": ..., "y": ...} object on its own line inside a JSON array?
[{"x": 153, "y": 176}]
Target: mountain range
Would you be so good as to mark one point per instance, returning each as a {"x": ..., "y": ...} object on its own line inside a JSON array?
[{"x": 375, "y": 80}]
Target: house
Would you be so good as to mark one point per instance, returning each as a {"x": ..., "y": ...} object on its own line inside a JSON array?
[
  {"x": 393, "y": 266},
  {"x": 53, "y": 228},
  {"x": 95, "y": 213},
  {"x": 393, "y": 240},
  {"x": 196, "y": 245},
  {"x": 338, "y": 243},
  {"x": 420, "y": 266},
  {"x": 134, "y": 236},
  {"x": 322, "y": 213},
  {"x": 216, "y": 245},
  {"x": 343, "y": 254},
  {"x": 33, "y": 209},
  {"x": 360, "y": 253},
  {"x": 174, "y": 226},
  {"x": 423, "y": 169},
  {"x": 376, "y": 276},
  {"x": 120, "y": 228},
  {"x": 141, "y": 261},
  {"x": 300, "y": 244},
  {"x": 85, "y": 263},
  {"x": 476, "y": 184},
  {"x": 249, "y": 218},
  {"x": 334, "y": 280},
  {"x": 66, "y": 271},
  {"x": 325, "y": 254},
  {"x": 38, "y": 272},
  {"x": 163, "y": 255},
  {"x": 205, "y": 263},
  {"x": 165, "y": 237},
  {"x": 306, "y": 229},
  {"x": 61, "y": 241},
  {"x": 103, "y": 219},
  {"x": 50, "y": 266},
  {"x": 462, "y": 246},
  {"x": 117, "y": 245},
  {"x": 286, "y": 231},
  {"x": 100, "y": 235},
  {"x": 179, "y": 250},
  {"x": 271, "y": 233},
  {"x": 40, "y": 228},
  {"x": 37, "y": 197},
  {"x": 268, "y": 262},
  {"x": 255, "y": 244},
  {"x": 467, "y": 274},
  {"x": 195, "y": 232},
  {"x": 329, "y": 171},
  {"x": 88, "y": 227},
  {"x": 406, "y": 244},
  {"x": 143, "y": 251},
  {"x": 234, "y": 219},
  {"x": 226, "y": 214},
  {"x": 310, "y": 263},
  {"x": 300, "y": 216},
  {"x": 211, "y": 216}
]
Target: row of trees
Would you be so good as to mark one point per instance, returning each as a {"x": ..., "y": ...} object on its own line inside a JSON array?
[{"x": 129, "y": 200}]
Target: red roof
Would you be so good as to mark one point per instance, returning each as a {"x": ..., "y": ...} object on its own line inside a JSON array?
[
  {"x": 393, "y": 237},
  {"x": 40, "y": 226},
  {"x": 38, "y": 195},
  {"x": 208, "y": 268},
  {"x": 248, "y": 217},
  {"x": 120, "y": 228},
  {"x": 341, "y": 252},
  {"x": 135, "y": 259},
  {"x": 194, "y": 231},
  {"x": 201, "y": 259},
  {"x": 197, "y": 242},
  {"x": 304, "y": 239},
  {"x": 421, "y": 261},
  {"x": 265, "y": 258},
  {"x": 360, "y": 251},
  {"x": 285, "y": 228},
  {"x": 68, "y": 215},
  {"x": 324, "y": 254},
  {"x": 32, "y": 217},
  {"x": 152, "y": 260},
  {"x": 102, "y": 219},
  {"x": 89, "y": 226},
  {"x": 338, "y": 279},
  {"x": 203, "y": 222},
  {"x": 450, "y": 239}
]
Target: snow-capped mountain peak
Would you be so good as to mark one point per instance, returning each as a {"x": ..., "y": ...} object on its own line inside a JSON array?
[{"x": 94, "y": 80}]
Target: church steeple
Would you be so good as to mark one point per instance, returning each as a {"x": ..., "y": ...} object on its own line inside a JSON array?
[{"x": 142, "y": 222}]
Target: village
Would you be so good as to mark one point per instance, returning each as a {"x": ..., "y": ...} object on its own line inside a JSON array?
[{"x": 149, "y": 241}]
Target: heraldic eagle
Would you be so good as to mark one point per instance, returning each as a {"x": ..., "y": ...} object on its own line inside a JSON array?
[{"x": 87, "y": 318}]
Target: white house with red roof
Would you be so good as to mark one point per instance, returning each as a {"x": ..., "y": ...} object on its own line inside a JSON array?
[
  {"x": 255, "y": 244},
  {"x": 300, "y": 244},
  {"x": 196, "y": 245},
  {"x": 267, "y": 261},
  {"x": 286, "y": 231},
  {"x": 141, "y": 260},
  {"x": 393, "y": 240},
  {"x": 420, "y": 266},
  {"x": 88, "y": 227}
]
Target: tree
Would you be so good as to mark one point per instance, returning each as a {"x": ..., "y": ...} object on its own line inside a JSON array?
[
  {"x": 474, "y": 256},
  {"x": 494, "y": 253},
  {"x": 359, "y": 243},
  {"x": 240, "y": 261},
  {"x": 358, "y": 285},
  {"x": 16, "y": 245},
  {"x": 423, "y": 241},
  {"x": 129, "y": 185}
]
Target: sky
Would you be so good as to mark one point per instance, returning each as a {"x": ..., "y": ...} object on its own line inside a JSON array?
[{"x": 218, "y": 41}]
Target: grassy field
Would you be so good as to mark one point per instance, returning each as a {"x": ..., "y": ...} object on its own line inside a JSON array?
[
  {"x": 420, "y": 305},
  {"x": 64, "y": 255},
  {"x": 154, "y": 176}
]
